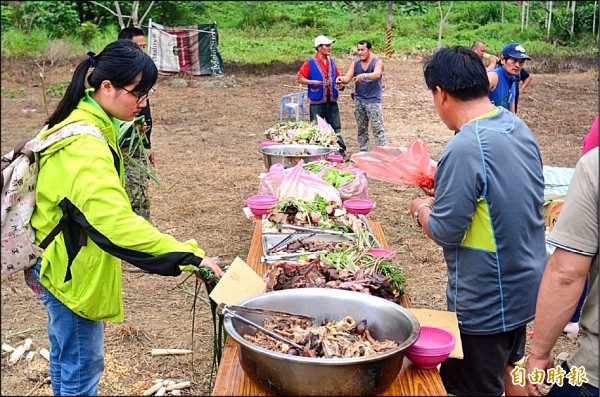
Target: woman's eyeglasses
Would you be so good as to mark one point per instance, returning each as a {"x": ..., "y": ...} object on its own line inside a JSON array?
[{"x": 140, "y": 97}]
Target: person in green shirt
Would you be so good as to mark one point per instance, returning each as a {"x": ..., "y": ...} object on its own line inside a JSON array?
[{"x": 81, "y": 182}]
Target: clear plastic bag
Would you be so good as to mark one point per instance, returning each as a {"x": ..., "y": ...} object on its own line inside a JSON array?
[{"x": 399, "y": 165}]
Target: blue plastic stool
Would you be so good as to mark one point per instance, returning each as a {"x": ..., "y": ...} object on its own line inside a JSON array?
[{"x": 293, "y": 103}]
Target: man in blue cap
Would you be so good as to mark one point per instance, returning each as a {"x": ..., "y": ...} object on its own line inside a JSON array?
[{"x": 503, "y": 79}]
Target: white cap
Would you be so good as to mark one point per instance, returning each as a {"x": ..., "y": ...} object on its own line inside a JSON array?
[{"x": 322, "y": 40}]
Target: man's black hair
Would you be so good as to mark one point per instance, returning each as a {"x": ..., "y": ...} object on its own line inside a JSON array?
[
  {"x": 365, "y": 42},
  {"x": 129, "y": 33},
  {"x": 459, "y": 71}
]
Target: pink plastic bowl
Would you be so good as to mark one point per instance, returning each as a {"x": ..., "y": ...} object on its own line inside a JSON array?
[
  {"x": 432, "y": 348},
  {"x": 426, "y": 362},
  {"x": 260, "y": 205},
  {"x": 335, "y": 158},
  {"x": 434, "y": 340},
  {"x": 268, "y": 143},
  {"x": 382, "y": 253},
  {"x": 260, "y": 200},
  {"x": 356, "y": 206}
]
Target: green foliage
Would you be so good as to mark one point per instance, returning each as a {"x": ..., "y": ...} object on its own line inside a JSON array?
[
  {"x": 57, "y": 17},
  {"x": 178, "y": 13},
  {"x": 18, "y": 44},
  {"x": 265, "y": 31},
  {"x": 56, "y": 90},
  {"x": 87, "y": 32},
  {"x": 411, "y": 8}
]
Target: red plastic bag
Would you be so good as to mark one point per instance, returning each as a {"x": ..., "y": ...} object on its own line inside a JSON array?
[
  {"x": 297, "y": 183},
  {"x": 399, "y": 165}
]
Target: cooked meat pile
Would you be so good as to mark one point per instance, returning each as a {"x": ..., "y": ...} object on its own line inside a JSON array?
[
  {"x": 312, "y": 246},
  {"x": 316, "y": 274},
  {"x": 333, "y": 339}
]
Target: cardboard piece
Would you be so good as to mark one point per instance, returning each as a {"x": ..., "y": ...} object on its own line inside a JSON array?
[
  {"x": 444, "y": 320},
  {"x": 239, "y": 282},
  {"x": 551, "y": 212}
]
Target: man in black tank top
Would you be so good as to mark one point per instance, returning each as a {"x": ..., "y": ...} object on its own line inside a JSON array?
[{"x": 367, "y": 73}]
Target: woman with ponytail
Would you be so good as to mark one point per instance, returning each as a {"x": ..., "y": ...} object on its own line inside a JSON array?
[{"x": 80, "y": 184}]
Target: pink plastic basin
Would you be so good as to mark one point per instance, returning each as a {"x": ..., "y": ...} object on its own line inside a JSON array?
[
  {"x": 261, "y": 200},
  {"x": 357, "y": 206},
  {"x": 433, "y": 341},
  {"x": 426, "y": 362},
  {"x": 382, "y": 253},
  {"x": 335, "y": 158},
  {"x": 268, "y": 143},
  {"x": 432, "y": 348},
  {"x": 260, "y": 205}
]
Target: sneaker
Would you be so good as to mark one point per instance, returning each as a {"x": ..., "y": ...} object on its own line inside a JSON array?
[{"x": 571, "y": 329}]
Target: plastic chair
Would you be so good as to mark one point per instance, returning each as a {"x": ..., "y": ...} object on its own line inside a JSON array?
[{"x": 293, "y": 103}]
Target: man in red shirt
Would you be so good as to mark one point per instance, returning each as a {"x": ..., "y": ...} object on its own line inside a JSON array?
[{"x": 319, "y": 73}]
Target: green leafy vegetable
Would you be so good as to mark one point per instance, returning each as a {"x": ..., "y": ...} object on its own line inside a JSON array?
[{"x": 337, "y": 178}]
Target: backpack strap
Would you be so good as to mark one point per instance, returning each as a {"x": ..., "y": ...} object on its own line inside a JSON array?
[{"x": 78, "y": 128}]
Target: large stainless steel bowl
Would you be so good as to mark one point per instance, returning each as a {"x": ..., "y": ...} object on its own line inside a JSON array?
[
  {"x": 290, "y": 155},
  {"x": 304, "y": 376}
]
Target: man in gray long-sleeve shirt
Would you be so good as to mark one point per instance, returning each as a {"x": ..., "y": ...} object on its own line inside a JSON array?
[{"x": 488, "y": 217}]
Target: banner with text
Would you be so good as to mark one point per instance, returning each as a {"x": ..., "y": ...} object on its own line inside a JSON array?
[{"x": 185, "y": 49}]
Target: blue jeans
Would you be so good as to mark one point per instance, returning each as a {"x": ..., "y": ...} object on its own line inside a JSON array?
[
  {"x": 331, "y": 113},
  {"x": 76, "y": 344}
]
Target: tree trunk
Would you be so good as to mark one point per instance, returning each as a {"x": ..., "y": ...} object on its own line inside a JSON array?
[
  {"x": 573, "y": 19},
  {"x": 119, "y": 15},
  {"x": 527, "y": 16},
  {"x": 502, "y": 19},
  {"x": 522, "y": 16},
  {"x": 549, "y": 20},
  {"x": 594, "y": 20},
  {"x": 442, "y": 20},
  {"x": 134, "y": 13}
]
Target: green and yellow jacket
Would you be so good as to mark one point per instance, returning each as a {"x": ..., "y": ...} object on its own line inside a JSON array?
[{"x": 81, "y": 181}]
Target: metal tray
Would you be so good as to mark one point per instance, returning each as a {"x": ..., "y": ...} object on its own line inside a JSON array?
[
  {"x": 270, "y": 240},
  {"x": 363, "y": 218}
]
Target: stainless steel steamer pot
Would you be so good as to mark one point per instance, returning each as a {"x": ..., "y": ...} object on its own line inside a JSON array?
[
  {"x": 304, "y": 376},
  {"x": 290, "y": 155}
]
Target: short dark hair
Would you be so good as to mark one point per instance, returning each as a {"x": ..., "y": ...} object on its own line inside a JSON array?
[
  {"x": 130, "y": 33},
  {"x": 459, "y": 71},
  {"x": 476, "y": 43},
  {"x": 365, "y": 42}
]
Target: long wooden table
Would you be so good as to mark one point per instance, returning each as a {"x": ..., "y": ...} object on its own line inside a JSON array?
[{"x": 232, "y": 380}]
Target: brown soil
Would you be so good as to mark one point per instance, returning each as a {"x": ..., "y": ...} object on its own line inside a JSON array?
[{"x": 206, "y": 140}]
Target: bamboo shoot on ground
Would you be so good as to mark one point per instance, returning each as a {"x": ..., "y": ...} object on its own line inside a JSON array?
[
  {"x": 164, "y": 352},
  {"x": 179, "y": 386},
  {"x": 7, "y": 348},
  {"x": 27, "y": 343},
  {"x": 45, "y": 353},
  {"x": 16, "y": 354},
  {"x": 30, "y": 355},
  {"x": 153, "y": 389}
]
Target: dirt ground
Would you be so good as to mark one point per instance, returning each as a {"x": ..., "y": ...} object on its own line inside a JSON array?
[{"x": 206, "y": 140}]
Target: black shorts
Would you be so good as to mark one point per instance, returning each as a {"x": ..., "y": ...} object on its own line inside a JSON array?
[{"x": 486, "y": 357}]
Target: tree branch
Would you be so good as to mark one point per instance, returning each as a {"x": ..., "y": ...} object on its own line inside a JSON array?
[{"x": 146, "y": 13}]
